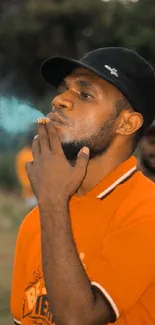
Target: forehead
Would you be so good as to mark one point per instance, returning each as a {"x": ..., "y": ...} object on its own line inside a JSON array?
[{"x": 85, "y": 74}]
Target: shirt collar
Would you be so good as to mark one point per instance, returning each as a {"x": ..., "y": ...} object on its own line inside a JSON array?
[{"x": 117, "y": 176}]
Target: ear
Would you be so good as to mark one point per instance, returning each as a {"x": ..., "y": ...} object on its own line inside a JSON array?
[{"x": 129, "y": 123}]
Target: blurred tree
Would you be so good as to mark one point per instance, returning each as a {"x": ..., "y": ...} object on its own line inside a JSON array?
[
  {"x": 40, "y": 29},
  {"x": 32, "y": 30}
]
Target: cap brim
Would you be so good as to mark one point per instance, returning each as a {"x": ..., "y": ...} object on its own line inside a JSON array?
[{"x": 55, "y": 69}]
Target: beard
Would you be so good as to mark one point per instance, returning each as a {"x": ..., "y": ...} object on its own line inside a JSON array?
[{"x": 97, "y": 142}]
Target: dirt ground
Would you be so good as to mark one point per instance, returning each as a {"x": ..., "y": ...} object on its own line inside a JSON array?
[{"x": 12, "y": 211}]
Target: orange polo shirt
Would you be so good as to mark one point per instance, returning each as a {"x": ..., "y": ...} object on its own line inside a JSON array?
[{"x": 114, "y": 230}]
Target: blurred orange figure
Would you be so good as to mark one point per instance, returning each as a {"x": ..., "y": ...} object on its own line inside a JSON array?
[{"x": 22, "y": 158}]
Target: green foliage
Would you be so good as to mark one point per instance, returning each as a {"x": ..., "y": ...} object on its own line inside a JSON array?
[{"x": 34, "y": 29}]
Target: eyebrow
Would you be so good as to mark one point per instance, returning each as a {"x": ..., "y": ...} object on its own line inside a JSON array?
[
  {"x": 84, "y": 83},
  {"x": 81, "y": 82}
]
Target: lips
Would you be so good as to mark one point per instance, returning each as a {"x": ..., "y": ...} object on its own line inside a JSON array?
[{"x": 56, "y": 119}]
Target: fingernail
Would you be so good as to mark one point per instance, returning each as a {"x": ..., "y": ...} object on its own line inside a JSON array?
[
  {"x": 40, "y": 120},
  {"x": 85, "y": 150},
  {"x": 36, "y": 136}
]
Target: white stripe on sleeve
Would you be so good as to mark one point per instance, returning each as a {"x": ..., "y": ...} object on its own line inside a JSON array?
[{"x": 110, "y": 300}]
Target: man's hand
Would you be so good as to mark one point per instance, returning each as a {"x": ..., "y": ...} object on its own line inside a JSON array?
[
  {"x": 54, "y": 180},
  {"x": 50, "y": 174}
]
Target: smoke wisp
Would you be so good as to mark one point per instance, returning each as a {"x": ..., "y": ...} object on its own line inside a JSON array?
[{"x": 16, "y": 116}]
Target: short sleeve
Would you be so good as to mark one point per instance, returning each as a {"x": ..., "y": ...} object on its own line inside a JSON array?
[
  {"x": 19, "y": 274},
  {"x": 28, "y": 229},
  {"x": 125, "y": 265}
]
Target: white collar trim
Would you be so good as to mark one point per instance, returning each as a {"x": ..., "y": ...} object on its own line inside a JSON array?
[{"x": 119, "y": 180}]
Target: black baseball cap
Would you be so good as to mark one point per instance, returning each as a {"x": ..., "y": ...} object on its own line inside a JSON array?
[{"x": 122, "y": 67}]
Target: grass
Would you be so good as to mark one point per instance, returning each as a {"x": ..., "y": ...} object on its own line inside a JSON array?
[{"x": 12, "y": 211}]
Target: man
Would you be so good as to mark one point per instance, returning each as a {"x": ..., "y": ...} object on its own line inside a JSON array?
[
  {"x": 85, "y": 255},
  {"x": 22, "y": 157},
  {"x": 146, "y": 153}
]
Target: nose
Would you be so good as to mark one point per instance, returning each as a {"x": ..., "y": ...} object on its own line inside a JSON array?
[{"x": 60, "y": 102}]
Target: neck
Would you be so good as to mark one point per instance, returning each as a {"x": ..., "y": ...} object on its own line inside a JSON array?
[{"x": 98, "y": 168}]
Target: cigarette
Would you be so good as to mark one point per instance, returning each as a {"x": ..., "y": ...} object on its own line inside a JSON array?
[{"x": 43, "y": 120}]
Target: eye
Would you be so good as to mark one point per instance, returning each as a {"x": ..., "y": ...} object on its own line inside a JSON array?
[{"x": 85, "y": 95}]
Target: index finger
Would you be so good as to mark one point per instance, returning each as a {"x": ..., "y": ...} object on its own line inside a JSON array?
[
  {"x": 43, "y": 136},
  {"x": 54, "y": 140}
]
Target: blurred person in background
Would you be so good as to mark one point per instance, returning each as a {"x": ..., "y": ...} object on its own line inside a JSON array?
[
  {"x": 146, "y": 153},
  {"x": 22, "y": 158}
]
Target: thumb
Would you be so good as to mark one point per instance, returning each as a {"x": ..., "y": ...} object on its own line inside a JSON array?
[{"x": 82, "y": 160}]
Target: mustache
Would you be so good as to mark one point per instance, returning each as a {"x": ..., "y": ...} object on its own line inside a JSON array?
[{"x": 59, "y": 112}]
